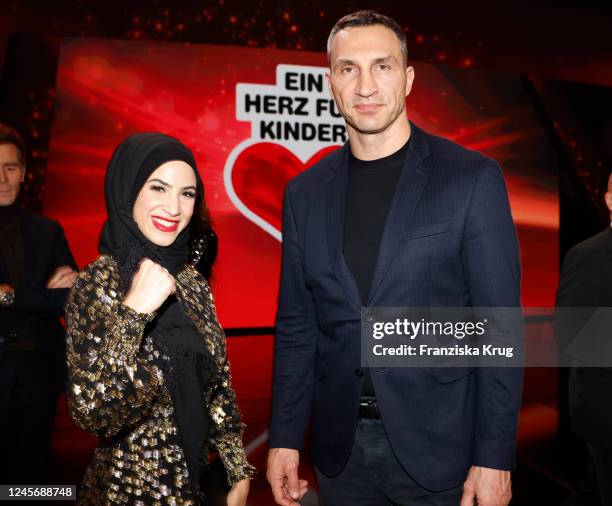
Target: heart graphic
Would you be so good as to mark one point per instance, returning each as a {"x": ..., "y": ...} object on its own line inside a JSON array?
[{"x": 256, "y": 181}]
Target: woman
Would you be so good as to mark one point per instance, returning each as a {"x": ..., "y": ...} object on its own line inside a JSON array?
[{"x": 148, "y": 367}]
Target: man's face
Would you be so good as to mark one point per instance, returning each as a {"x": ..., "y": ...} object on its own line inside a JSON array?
[
  {"x": 368, "y": 77},
  {"x": 12, "y": 174}
]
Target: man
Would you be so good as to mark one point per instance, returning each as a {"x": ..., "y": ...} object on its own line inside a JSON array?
[
  {"x": 586, "y": 282},
  {"x": 396, "y": 218},
  {"x": 36, "y": 270}
]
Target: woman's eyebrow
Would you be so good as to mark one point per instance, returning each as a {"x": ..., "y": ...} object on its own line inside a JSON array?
[
  {"x": 160, "y": 182},
  {"x": 190, "y": 187}
]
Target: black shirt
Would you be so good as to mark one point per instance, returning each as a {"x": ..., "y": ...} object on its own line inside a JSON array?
[{"x": 371, "y": 187}]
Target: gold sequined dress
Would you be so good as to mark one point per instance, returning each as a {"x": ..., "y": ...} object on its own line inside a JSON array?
[{"x": 117, "y": 391}]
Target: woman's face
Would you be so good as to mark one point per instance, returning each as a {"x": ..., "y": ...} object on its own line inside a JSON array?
[{"x": 165, "y": 203}]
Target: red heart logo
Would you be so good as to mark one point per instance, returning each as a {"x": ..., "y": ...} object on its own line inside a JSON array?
[{"x": 259, "y": 176}]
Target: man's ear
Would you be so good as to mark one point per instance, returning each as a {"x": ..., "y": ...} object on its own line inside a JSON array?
[
  {"x": 23, "y": 171},
  {"x": 328, "y": 81},
  {"x": 409, "y": 80}
]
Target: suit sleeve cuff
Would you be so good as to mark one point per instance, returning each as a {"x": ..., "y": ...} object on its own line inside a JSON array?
[
  {"x": 495, "y": 454},
  {"x": 293, "y": 440}
]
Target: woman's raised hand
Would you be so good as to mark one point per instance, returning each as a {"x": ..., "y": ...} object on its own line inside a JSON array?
[{"x": 151, "y": 286}]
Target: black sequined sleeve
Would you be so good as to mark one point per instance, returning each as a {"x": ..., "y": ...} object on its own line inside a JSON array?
[
  {"x": 110, "y": 389},
  {"x": 227, "y": 427}
]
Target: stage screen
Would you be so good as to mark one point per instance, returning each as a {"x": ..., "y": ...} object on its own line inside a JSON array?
[{"x": 256, "y": 117}]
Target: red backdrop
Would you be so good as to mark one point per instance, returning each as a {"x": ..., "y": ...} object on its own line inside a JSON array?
[{"x": 108, "y": 89}]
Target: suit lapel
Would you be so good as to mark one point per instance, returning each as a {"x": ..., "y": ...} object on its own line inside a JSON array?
[
  {"x": 406, "y": 197},
  {"x": 28, "y": 259},
  {"x": 30, "y": 249},
  {"x": 609, "y": 241},
  {"x": 335, "y": 200}
]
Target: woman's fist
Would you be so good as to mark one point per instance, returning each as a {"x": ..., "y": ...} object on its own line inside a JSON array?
[{"x": 151, "y": 286}]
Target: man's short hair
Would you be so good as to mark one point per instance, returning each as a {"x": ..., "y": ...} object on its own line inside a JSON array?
[
  {"x": 8, "y": 135},
  {"x": 368, "y": 18}
]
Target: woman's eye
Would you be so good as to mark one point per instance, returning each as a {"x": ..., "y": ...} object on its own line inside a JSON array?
[
  {"x": 157, "y": 188},
  {"x": 189, "y": 194}
]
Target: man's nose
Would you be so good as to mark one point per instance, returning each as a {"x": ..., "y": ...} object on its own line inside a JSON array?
[{"x": 366, "y": 85}]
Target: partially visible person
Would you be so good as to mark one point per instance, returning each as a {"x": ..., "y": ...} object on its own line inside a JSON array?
[
  {"x": 586, "y": 282},
  {"x": 36, "y": 271},
  {"x": 148, "y": 367}
]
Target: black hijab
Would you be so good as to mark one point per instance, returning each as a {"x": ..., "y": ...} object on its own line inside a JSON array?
[{"x": 133, "y": 162}]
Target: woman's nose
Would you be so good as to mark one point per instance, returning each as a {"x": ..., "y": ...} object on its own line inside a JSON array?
[{"x": 173, "y": 205}]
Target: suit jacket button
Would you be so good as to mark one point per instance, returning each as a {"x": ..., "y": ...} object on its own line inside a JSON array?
[{"x": 358, "y": 373}]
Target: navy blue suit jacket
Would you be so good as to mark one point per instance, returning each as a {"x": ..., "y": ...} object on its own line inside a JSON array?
[{"x": 449, "y": 240}]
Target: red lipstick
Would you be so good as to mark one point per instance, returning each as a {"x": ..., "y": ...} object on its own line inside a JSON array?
[{"x": 164, "y": 224}]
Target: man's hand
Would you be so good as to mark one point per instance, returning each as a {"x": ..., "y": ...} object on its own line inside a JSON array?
[
  {"x": 237, "y": 496},
  {"x": 62, "y": 277},
  {"x": 282, "y": 476},
  {"x": 488, "y": 487}
]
